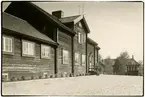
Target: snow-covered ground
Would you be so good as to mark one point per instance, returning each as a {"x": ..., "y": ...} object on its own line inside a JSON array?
[{"x": 83, "y": 85}]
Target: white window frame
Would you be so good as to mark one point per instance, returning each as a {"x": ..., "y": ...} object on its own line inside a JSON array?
[
  {"x": 46, "y": 50},
  {"x": 83, "y": 59},
  {"x": 9, "y": 45},
  {"x": 79, "y": 37},
  {"x": 5, "y": 74},
  {"x": 28, "y": 51},
  {"x": 65, "y": 56}
]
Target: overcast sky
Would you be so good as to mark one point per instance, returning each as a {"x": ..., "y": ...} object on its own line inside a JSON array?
[{"x": 115, "y": 26}]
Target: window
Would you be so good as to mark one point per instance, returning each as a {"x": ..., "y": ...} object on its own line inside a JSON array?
[
  {"x": 81, "y": 38},
  {"x": 84, "y": 38},
  {"x": 7, "y": 44},
  {"x": 45, "y": 51},
  {"x": 4, "y": 76},
  {"x": 77, "y": 58},
  {"x": 83, "y": 59},
  {"x": 65, "y": 57},
  {"x": 28, "y": 48},
  {"x": 80, "y": 25}
]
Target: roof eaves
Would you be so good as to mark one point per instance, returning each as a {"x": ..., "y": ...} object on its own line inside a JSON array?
[
  {"x": 92, "y": 41},
  {"x": 49, "y": 42}
]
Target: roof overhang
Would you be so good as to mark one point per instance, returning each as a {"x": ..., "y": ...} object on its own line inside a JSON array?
[
  {"x": 90, "y": 41},
  {"x": 98, "y": 48},
  {"x": 76, "y": 20}
]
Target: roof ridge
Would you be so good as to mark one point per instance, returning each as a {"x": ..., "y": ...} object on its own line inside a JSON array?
[
  {"x": 69, "y": 16},
  {"x": 51, "y": 16}
]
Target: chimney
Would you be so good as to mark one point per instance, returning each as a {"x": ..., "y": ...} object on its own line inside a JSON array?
[
  {"x": 132, "y": 56},
  {"x": 58, "y": 14}
]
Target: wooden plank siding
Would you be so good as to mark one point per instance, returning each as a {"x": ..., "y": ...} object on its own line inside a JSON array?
[
  {"x": 65, "y": 42},
  {"x": 17, "y": 65},
  {"x": 81, "y": 49}
]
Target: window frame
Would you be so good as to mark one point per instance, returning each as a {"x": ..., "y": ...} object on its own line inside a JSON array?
[
  {"x": 79, "y": 58},
  {"x": 79, "y": 37},
  {"x": 49, "y": 52},
  {"x": 5, "y": 74},
  {"x": 63, "y": 60},
  {"x": 28, "y": 55},
  {"x": 83, "y": 64},
  {"x": 12, "y": 45}
]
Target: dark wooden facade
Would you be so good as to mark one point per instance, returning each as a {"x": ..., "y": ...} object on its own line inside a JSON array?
[
  {"x": 65, "y": 43},
  {"x": 64, "y": 36},
  {"x": 18, "y": 66}
]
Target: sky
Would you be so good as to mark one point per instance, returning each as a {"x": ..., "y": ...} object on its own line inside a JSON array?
[{"x": 115, "y": 26}]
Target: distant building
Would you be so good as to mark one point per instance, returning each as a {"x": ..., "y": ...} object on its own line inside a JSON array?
[
  {"x": 132, "y": 67},
  {"x": 126, "y": 67}
]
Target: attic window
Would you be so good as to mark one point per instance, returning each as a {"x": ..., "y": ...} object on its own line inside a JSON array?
[{"x": 80, "y": 25}]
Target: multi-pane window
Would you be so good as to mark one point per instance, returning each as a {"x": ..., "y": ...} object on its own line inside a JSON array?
[
  {"x": 65, "y": 57},
  {"x": 77, "y": 58},
  {"x": 28, "y": 48},
  {"x": 83, "y": 59},
  {"x": 81, "y": 38},
  {"x": 7, "y": 44},
  {"x": 45, "y": 51}
]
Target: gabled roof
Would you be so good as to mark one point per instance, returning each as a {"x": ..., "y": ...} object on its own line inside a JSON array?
[
  {"x": 49, "y": 17},
  {"x": 20, "y": 26},
  {"x": 53, "y": 18},
  {"x": 132, "y": 62},
  {"x": 69, "y": 19},
  {"x": 125, "y": 61},
  {"x": 74, "y": 20}
]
